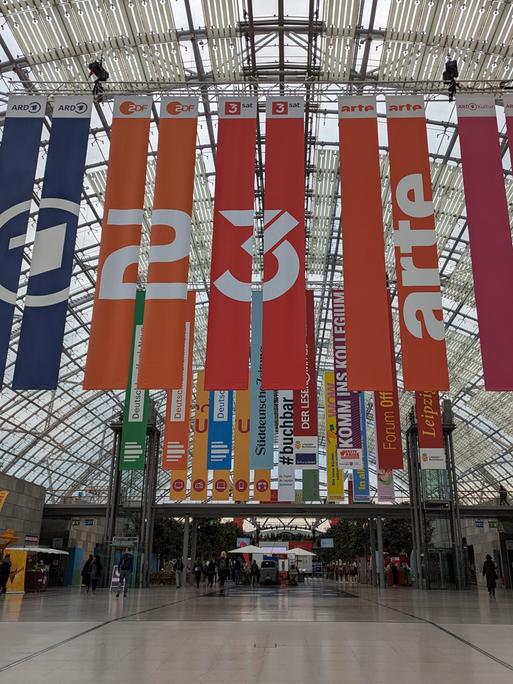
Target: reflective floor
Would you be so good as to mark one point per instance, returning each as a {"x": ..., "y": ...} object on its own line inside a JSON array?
[{"x": 319, "y": 632}]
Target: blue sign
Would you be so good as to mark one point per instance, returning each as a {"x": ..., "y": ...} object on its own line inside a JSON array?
[
  {"x": 261, "y": 401},
  {"x": 46, "y": 303},
  {"x": 220, "y": 430},
  {"x": 18, "y": 159},
  {"x": 361, "y": 487}
]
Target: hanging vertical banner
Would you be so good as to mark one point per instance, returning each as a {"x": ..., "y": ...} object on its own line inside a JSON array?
[
  {"x": 108, "y": 356},
  {"x": 284, "y": 308},
  {"x": 368, "y": 363},
  {"x": 349, "y": 432},
  {"x": 386, "y": 490},
  {"x": 135, "y": 414},
  {"x": 262, "y": 485},
  {"x": 178, "y": 406},
  {"x": 18, "y": 159},
  {"x": 220, "y": 428},
  {"x": 221, "y": 485},
  {"x": 335, "y": 475},
  {"x": 46, "y": 302},
  {"x": 261, "y": 401},
  {"x": 489, "y": 236},
  {"x": 311, "y": 485},
  {"x": 199, "y": 472},
  {"x": 361, "y": 484},
  {"x": 226, "y": 363},
  {"x": 286, "y": 467},
  {"x": 241, "y": 446},
  {"x": 168, "y": 258},
  {"x": 305, "y": 400},
  {"x": 418, "y": 282},
  {"x": 431, "y": 436}
]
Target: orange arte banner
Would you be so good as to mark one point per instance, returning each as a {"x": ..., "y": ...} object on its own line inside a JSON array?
[
  {"x": 241, "y": 447},
  {"x": 108, "y": 356},
  {"x": 416, "y": 257},
  {"x": 262, "y": 485},
  {"x": 199, "y": 474},
  {"x": 168, "y": 260},
  {"x": 221, "y": 485},
  {"x": 366, "y": 297},
  {"x": 178, "y": 407}
]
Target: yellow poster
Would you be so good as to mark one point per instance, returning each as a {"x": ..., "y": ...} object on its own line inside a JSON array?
[
  {"x": 241, "y": 447},
  {"x": 262, "y": 485},
  {"x": 199, "y": 475},
  {"x": 3, "y": 496},
  {"x": 335, "y": 474},
  {"x": 16, "y": 581}
]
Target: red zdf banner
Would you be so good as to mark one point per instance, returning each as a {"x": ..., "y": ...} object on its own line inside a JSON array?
[
  {"x": 168, "y": 260},
  {"x": 178, "y": 408},
  {"x": 284, "y": 310},
  {"x": 366, "y": 297},
  {"x": 431, "y": 436},
  {"x": 108, "y": 355},
  {"x": 418, "y": 282},
  {"x": 305, "y": 401},
  {"x": 229, "y": 314}
]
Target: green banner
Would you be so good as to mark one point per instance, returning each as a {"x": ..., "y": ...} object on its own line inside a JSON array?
[
  {"x": 135, "y": 415},
  {"x": 311, "y": 485}
]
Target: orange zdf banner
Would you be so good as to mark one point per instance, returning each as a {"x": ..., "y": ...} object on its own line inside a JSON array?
[
  {"x": 178, "y": 407},
  {"x": 365, "y": 289},
  {"x": 168, "y": 260},
  {"x": 284, "y": 294},
  {"x": 229, "y": 312},
  {"x": 108, "y": 356},
  {"x": 418, "y": 282},
  {"x": 241, "y": 447},
  {"x": 199, "y": 474}
]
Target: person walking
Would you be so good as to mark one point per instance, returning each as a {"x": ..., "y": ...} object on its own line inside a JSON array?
[
  {"x": 5, "y": 571},
  {"x": 395, "y": 574},
  {"x": 255, "y": 573},
  {"x": 503, "y": 496},
  {"x": 96, "y": 573},
  {"x": 198, "y": 569},
  {"x": 178, "y": 573},
  {"x": 211, "y": 571},
  {"x": 490, "y": 572},
  {"x": 223, "y": 570},
  {"x": 238, "y": 570},
  {"x": 126, "y": 567},
  {"x": 86, "y": 572}
]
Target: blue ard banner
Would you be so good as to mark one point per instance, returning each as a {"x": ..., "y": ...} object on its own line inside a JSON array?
[
  {"x": 261, "y": 401},
  {"x": 220, "y": 430},
  {"x": 44, "y": 316},
  {"x": 18, "y": 159},
  {"x": 361, "y": 487}
]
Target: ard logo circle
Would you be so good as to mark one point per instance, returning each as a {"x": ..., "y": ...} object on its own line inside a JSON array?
[
  {"x": 241, "y": 485},
  {"x": 198, "y": 485},
  {"x": 221, "y": 486}
]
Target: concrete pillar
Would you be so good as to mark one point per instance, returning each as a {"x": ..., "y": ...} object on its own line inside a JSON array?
[
  {"x": 381, "y": 569},
  {"x": 372, "y": 533},
  {"x": 185, "y": 549}
]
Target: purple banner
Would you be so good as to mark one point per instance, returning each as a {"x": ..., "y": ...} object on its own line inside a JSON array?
[{"x": 349, "y": 432}]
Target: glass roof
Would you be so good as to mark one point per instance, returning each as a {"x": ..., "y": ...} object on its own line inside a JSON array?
[{"x": 318, "y": 48}]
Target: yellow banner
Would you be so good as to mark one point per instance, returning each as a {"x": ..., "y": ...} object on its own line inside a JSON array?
[
  {"x": 221, "y": 485},
  {"x": 262, "y": 485},
  {"x": 335, "y": 475},
  {"x": 241, "y": 447},
  {"x": 3, "y": 496},
  {"x": 178, "y": 485},
  {"x": 16, "y": 581},
  {"x": 199, "y": 476}
]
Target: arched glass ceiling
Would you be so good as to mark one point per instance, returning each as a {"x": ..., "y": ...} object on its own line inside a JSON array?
[{"x": 59, "y": 439}]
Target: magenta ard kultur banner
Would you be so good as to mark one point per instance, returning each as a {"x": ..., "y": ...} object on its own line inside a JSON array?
[{"x": 349, "y": 432}]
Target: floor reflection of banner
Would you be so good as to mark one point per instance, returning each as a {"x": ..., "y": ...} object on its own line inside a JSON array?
[
  {"x": 199, "y": 473},
  {"x": 335, "y": 475}
]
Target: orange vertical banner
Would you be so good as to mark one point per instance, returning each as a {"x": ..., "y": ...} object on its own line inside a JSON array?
[
  {"x": 365, "y": 288},
  {"x": 199, "y": 473},
  {"x": 418, "y": 281},
  {"x": 241, "y": 447},
  {"x": 178, "y": 407},
  {"x": 262, "y": 485},
  {"x": 221, "y": 485},
  {"x": 168, "y": 260},
  {"x": 108, "y": 356}
]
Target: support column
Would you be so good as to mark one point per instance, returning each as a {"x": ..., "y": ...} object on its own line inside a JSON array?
[
  {"x": 454, "y": 502},
  {"x": 417, "y": 513},
  {"x": 185, "y": 549},
  {"x": 148, "y": 498},
  {"x": 381, "y": 569},
  {"x": 372, "y": 534}
]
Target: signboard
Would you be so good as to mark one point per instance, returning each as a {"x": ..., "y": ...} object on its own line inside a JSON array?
[{"x": 327, "y": 543}]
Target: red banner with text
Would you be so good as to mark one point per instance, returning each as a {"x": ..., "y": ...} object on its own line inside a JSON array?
[
  {"x": 418, "y": 282},
  {"x": 229, "y": 313},
  {"x": 284, "y": 305},
  {"x": 431, "y": 436},
  {"x": 108, "y": 355},
  {"x": 168, "y": 260}
]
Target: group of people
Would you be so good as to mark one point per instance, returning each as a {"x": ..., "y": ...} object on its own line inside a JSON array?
[
  {"x": 218, "y": 570},
  {"x": 93, "y": 570}
]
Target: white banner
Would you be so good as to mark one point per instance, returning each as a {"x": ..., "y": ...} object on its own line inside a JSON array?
[{"x": 286, "y": 459}]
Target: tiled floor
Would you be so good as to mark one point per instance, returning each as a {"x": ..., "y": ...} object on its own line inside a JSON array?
[{"x": 318, "y": 633}]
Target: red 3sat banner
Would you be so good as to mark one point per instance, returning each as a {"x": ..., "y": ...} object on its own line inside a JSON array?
[
  {"x": 226, "y": 365},
  {"x": 418, "y": 282},
  {"x": 284, "y": 303},
  {"x": 431, "y": 436}
]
